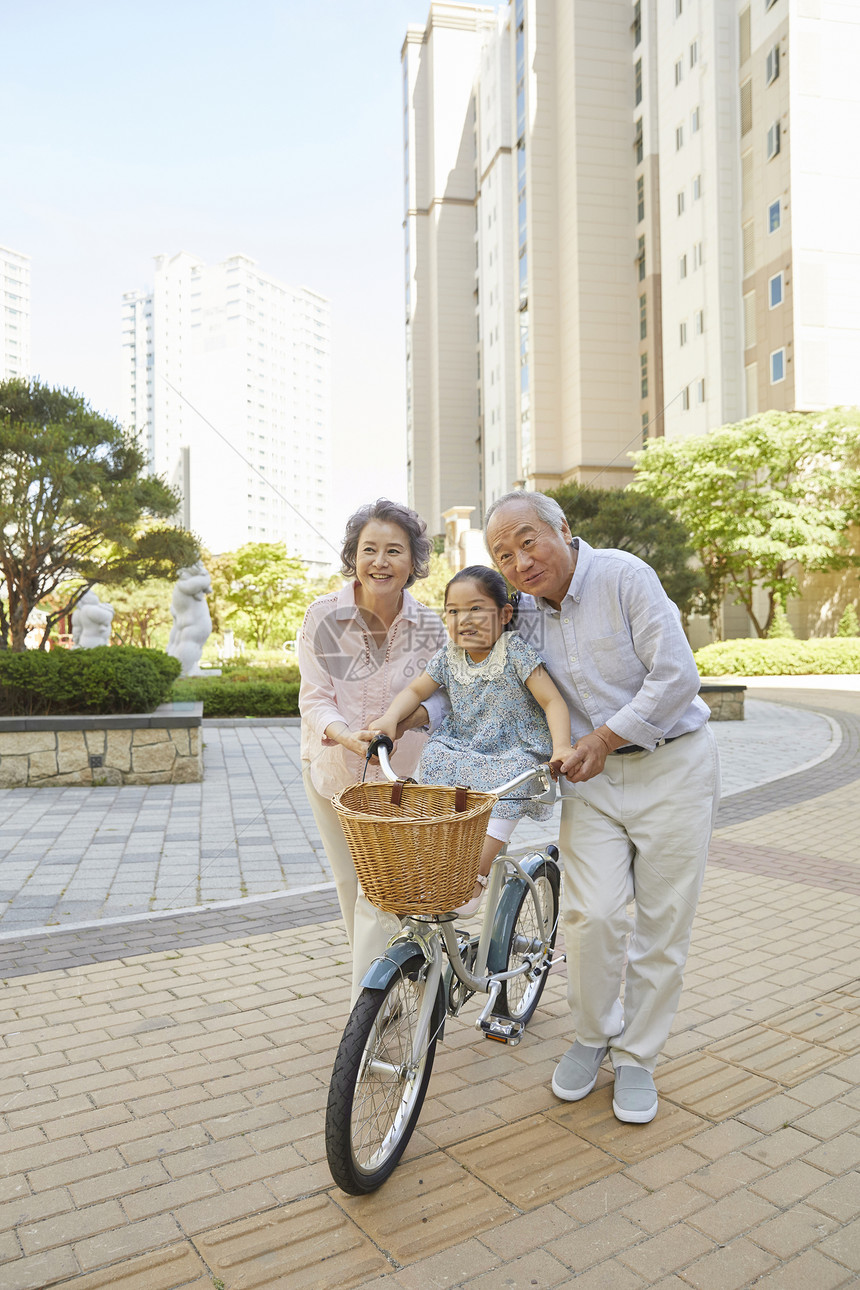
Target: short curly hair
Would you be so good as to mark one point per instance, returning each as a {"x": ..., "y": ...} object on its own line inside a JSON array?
[{"x": 388, "y": 512}]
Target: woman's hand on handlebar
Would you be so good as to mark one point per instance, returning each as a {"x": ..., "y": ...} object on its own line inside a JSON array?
[{"x": 356, "y": 741}]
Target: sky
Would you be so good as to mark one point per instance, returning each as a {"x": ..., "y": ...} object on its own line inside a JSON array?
[{"x": 270, "y": 128}]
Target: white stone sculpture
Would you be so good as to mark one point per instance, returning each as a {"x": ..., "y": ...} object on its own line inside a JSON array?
[
  {"x": 91, "y": 620},
  {"x": 192, "y": 623}
]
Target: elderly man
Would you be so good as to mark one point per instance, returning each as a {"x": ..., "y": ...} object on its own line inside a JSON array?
[{"x": 638, "y": 810}]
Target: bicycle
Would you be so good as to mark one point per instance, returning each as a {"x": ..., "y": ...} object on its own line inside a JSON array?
[{"x": 385, "y": 1057}]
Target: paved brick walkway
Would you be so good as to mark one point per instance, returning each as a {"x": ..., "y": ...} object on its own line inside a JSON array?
[
  {"x": 163, "y": 1086},
  {"x": 75, "y": 855}
]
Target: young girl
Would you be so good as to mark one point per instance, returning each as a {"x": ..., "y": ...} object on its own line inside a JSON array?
[{"x": 506, "y": 713}]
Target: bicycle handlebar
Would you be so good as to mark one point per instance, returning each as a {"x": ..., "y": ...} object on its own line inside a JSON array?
[{"x": 382, "y": 746}]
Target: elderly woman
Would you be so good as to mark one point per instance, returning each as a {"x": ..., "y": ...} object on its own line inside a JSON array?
[{"x": 357, "y": 649}]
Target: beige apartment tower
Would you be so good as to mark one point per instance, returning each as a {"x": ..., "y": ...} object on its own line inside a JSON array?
[{"x": 624, "y": 219}]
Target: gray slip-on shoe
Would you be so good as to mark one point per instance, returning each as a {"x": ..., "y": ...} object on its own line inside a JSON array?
[
  {"x": 576, "y": 1073},
  {"x": 635, "y": 1097}
]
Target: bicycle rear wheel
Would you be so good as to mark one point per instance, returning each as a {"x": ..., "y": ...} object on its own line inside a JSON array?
[
  {"x": 520, "y": 996},
  {"x": 379, "y": 1081}
]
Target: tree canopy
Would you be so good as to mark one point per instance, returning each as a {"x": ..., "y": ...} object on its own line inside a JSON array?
[
  {"x": 263, "y": 588},
  {"x": 761, "y": 498},
  {"x": 75, "y": 505},
  {"x": 629, "y": 521}
]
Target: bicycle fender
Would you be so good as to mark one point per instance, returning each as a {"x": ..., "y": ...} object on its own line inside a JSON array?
[
  {"x": 506, "y": 911},
  {"x": 383, "y": 969}
]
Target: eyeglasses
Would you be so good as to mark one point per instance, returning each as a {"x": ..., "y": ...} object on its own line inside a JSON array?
[{"x": 526, "y": 547}]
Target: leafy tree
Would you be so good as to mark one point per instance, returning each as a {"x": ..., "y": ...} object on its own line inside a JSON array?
[
  {"x": 74, "y": 504},
  {"x": 630, "y": 521},
  {"x": 266, "y": 589},
  {"x": 430, "y": 591},
  {"x": 142, "y": 613},
  {"x": 761, "y": 498}
]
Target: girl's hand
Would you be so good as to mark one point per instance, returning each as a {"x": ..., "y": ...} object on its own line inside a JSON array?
[
  {"x": 584, "y": 761},
  {"x": 563, "y": 758},
  {"x": 381, "y": 727}
]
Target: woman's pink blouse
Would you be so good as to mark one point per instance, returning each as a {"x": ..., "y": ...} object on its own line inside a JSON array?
[{"x": 346, "y": 677}]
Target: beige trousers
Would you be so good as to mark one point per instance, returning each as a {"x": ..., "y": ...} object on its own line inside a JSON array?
[
  {"x": 649, "y": 816},
  {"x": 368, "y": 929}
]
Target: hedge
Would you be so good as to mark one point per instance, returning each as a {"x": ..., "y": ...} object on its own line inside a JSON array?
[
  {"x": 241, "y": 672},
  {"x": 228, "y": 698},
  {"x": 780, "y": 657},
  {"x": 101, "y": 681}
]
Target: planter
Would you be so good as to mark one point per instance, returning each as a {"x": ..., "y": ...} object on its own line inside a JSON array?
[
  {"x": 725, "y": 699},
  {"x": 160, "y": 747}
]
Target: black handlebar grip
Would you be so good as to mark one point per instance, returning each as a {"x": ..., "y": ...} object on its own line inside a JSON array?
[{"x": 381, "y": 741}]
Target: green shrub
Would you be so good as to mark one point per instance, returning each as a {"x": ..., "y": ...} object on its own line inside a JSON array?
[
  {"x": 849, "y": 624},
  {"x": 779, "y": 658},
  {"x": 108, "y": 679},
  {"x": 230, "y": 698},
  {"x": 780, "y": 628}
]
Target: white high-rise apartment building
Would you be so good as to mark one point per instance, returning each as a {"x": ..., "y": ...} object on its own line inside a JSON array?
[
  {"x": 662, "y": 236},
  {"x": 14, "y": 314},
  {"x": 226, "y": 378}
]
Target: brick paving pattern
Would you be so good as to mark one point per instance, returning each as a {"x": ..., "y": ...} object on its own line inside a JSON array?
[{"x": 162, "y": 1097}]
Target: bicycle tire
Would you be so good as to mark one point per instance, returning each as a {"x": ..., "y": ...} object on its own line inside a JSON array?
[
  {"x": 371, "y": 1113},
  {"x": 520, "y": 996}
]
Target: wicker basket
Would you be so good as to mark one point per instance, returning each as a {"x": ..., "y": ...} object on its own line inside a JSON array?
[{"x": 414, "y": 852}]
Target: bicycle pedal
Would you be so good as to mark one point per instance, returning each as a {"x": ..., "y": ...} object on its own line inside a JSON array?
[{"x": 502, "y": 1030}]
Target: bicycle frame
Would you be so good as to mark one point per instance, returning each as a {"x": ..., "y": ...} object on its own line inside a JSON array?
[{"x": 424, "y": 933}]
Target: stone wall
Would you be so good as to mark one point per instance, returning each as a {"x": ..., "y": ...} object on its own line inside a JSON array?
[
  {"x": 161, "y": 748},
  {"x": 725, "y": 701}
]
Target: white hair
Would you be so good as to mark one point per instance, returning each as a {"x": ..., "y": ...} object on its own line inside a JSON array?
[{"x": 546, "y": 508}]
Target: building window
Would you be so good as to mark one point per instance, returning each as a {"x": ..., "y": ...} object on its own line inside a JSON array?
[
  {"x": 637, "y": 73},
  {"x": 679, "y": 8},
  {"x": 697, "y": 187},
  {"x": 679, "y": 138},
  {"x": 774, "y": 216},
  {"x": 682, "y": 267},
  {"x": 640, "y": 198},
  {"x": 638, "y": 143},
  {"x": 643, "y": 317},
  {"x": 681, "y": 200},
  {"x": 645, "y": 424},
  {"x": 697, "y": 255},
  {"x": 775, "y": 290},
  {"x": 685, "y": 399},
  {"x": 772, "y": 65},
  {"x": 700, "y": 391},
  {"x": 694, "y": 53},
  {"x": 636, "y": 25},
  {"x": 773, "y": 141},
  {"x": 768, "y": 4},
  {"x": 700, "y": 322},
  {"x": 777, "y": 366},
  {"x": 683, "y": 333},
  {"x": 640, "y": 259},
  {"x": 694, "y": 120},
  {"x": 746, "y": 107},
  {"x": 679, "y": 72},
  {"x": 643, "y": 375}
]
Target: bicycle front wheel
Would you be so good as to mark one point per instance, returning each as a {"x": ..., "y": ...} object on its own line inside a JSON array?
[
  {"x": 379, "y": 1081},
  {"x": 531, "y": 928}
]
